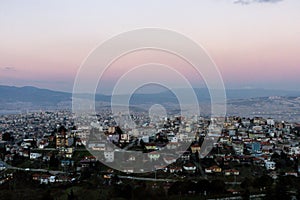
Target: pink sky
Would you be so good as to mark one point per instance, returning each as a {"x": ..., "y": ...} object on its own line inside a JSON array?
[{"x": 255, "y": 45}]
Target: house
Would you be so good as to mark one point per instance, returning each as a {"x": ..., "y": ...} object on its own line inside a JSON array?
[
  {"x": 128, "y": 169},
  {"x": 145, "y": 138},
  {"x": 153, "y": 155},
  {"x": 8, "y": 147},
  {"x": 2, "y": 166},
  {"x": 88, "y": 161},
  {"x": 233, "y": 191},
  {"x": 62, "y": 178},
  {"x": 52, "y": 179},
  {"x": 175, "y": 169},
  {"x": 291, "y": 174},
  {"x": 294, "y": 150},
  {"x": 189, "y": 167},
  {"x": 257, "y": 129},
  {"x": 270, "y": 122},
  {"x": 69, "y": 152},
  {"x": 232, "y": 132},
  {"x": 150, "y": 146},
  {"x": 270, "y": 165},
  {"x": 98, "y": 147},
  {"x": 131, "y": 158},
  {"x": 64, "y": 163},
  {"x": 195, "y": 148},
  {"x": 246, "y": 122},
  {"x": 258, "y": 161},
  {"x": 255, "y": 148},
  {"x": 213, "y": 169},
  {"x": 47, "y": 157},
  {"x": 273, "y": 174},
  {"x": 109, "y": 156},
  {"x": 113, "y": 138},
  {"x": 43, "y": 178},
  {"x": 227, "y": 158},
  {"x": 169, "y": 159},
  {"x": 61, "y": 140},
  {"x": 230, "y": 172},
  {"x": 35, "y": 177},
  {"x": 185, "y": 156},
  {"x": 124, "y": 138},
  {"x": 111, "y": 130},
  {"x": 172, "y": 145},
  {"x": 42, "y": 144},
  {"x": 78, "y": 142},
  {"x": 8, "y": 157},
  {"x": 34, "y": 156},
  {"x": 174, "y": 139},
  {"x": 238, "y": 148},
  {"x": 257, "y": 135},
  {"x": 24, "y": 153}
]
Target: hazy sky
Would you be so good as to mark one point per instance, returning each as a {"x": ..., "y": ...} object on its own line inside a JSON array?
[{"x": 255, "y": 43}]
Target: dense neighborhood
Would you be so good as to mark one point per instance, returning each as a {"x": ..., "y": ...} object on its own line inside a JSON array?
[{"x": 247, "y": 156}]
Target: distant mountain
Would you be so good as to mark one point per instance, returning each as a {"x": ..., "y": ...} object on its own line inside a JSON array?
[
  {"x": 34, "y": 95},
  {"x": 44, "y": 97},
  {"x": 203, "y": 95},
  {"x": 280, "y": 104},
  {"x": 255, "y": 93},
  {"x": 11, "y": 94}
]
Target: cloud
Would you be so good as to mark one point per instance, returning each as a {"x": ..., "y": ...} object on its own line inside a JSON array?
[
  {"x": 245, "y": 2},
  {"x": 8, "y": 68}
]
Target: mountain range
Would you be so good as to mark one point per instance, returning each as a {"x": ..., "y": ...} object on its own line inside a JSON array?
[
  {"x": 34, "y": 95},
  {"x": 29, "y": 96},
  {"x": 280, "y": 104}
]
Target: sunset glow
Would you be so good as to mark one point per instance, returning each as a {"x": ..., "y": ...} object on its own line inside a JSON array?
[{"x": 254, "y": 45}]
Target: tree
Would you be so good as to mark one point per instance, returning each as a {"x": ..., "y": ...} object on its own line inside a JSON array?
[
  {"x": 247, "y": 182},
  {"x": 6, "y": 136},
  {"x": 281, "y": 189},
  {"x": 218, "y": 186},
  {"x": 203, "y": 186},
  {"x": 71, "y": 196},
  {"x": 246, "y": 195},
  {"x": 140, "y": 191},
  {"x": 187, "y": 186},
  {"x": 62, "y": 129},
  {"x": 124, "y": 191},
  {"x": 263, "y": 182},
  {"x": 53, "y": 162},
  {"x": 47, "y": 195},
  {"x": 142, "y": 143},
  {"x": 175, "y": 188},
  {"x": 275, "y": 156},
  {"x": 298, "y": 194}
]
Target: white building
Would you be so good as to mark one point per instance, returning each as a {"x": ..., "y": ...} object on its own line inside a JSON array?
[
  {"x": 35, "y": 155},
  {"x": 109, "y": 156},
  {"x": 270, "y": 165},
  {"x": 271, "y": 122}
]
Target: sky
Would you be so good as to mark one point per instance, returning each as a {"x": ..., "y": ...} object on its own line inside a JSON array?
[{"x": 254, "y": 43}]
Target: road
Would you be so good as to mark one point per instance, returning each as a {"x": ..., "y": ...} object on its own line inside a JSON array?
[
  {"x": 36, "y": 170},
  {"x": 147, "y": 179},
  {"x": 32, "y": 170},
  {"x": 54, "y": 149}
]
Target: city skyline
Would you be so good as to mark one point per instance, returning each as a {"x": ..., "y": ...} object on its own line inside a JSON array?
[{"x": 254, "y": 44}]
